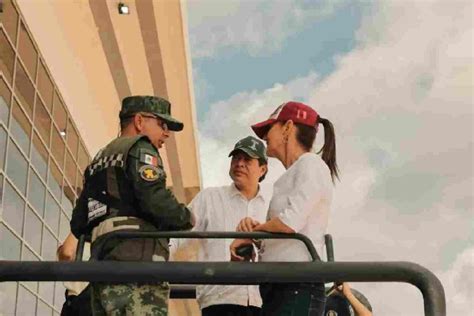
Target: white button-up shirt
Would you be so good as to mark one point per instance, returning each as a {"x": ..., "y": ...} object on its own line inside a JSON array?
[
  {"x": 301, "y": 199},
  {"x": 221, "y": 209}
]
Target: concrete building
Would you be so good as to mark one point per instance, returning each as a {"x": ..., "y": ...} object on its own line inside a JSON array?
[{"x": 64, "y": 68}]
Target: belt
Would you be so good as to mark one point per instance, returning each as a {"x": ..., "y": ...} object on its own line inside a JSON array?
[{"x": 116, "y": 223}]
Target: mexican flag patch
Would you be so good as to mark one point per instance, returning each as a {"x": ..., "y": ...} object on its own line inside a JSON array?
[{"x": 149, "y": 159}]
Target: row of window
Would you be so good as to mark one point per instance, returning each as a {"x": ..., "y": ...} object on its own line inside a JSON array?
[{"x": 41, "y": 162}]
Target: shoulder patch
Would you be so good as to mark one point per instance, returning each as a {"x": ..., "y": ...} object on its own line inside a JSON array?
[
  {"x": 150, "y": 159},
  {"x": 150, "y": 173}
]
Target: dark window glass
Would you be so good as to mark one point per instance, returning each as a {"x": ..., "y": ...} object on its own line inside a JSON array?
[
  {"x": 7, "y": 58},
  {"x": 45, "y": 86},
  {"x": 8, "y": 294},
  {"x": 32, "y": 233},
  {"x": 59, "y": 295},
  {"x": 10, "y": 249},
  {"x": 57, "y": 148},
  {"x": 51, "y": 213},
  {"x": 70, "y": 170},
  {"x": 27, "y": 51},
  {"x": 21, "y": 128},
  {"x": 39, "y": 156},
  {"x": 44, "y": 309},
  {"x": 49, "y": 246},
  {"x": 17, "y": 167},
  {"x": 24, "y": 89},
  {"x": 13, "y": 208},
  {"x": 36, "y": 192},
  {"x": 3, "y": 145},
  {"x": 5, "y": 96},
  {"x": 59, "y": 113},
  {"x": 26, "y": 304},
  {"x": 72, "y": 138},
  {"x": 42, "y": 121},
  {"x": 28, "y": 255},
  {"x": 55, "y": 180},
  {"x": 9, "y": 19},
  {"x": 46, "y": 291}
]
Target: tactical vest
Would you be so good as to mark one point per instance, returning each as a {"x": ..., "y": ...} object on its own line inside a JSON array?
[{"x": 107, "y": 188}]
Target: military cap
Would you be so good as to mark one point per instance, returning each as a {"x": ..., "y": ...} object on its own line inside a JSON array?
[
  {"x": 253, "y": 147},
  {"x": 150, "y": 104}
]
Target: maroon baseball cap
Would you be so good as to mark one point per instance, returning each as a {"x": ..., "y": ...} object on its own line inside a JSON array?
[{"x": 297, "y": 112}]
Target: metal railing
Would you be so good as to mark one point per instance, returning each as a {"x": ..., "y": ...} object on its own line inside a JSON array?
[{"x": 234, "y": 273}]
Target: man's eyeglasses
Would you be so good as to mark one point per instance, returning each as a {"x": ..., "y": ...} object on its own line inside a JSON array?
[{"x": 162, "y": 124}]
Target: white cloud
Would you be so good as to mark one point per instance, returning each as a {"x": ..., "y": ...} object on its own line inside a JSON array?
[
  {"x": 402, "y": 105},
  {"x": 260, "y": 27}
]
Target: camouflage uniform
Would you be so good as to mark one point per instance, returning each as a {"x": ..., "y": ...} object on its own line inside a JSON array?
[{"x": 125, "y": 189}]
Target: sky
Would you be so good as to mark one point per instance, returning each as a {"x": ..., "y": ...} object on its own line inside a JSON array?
[{"x": 396, "y": 80}]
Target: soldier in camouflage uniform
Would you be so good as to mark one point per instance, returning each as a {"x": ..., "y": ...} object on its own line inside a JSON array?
[{"x": 125, "y": 189}]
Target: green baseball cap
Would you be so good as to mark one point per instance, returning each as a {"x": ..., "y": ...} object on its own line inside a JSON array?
[
  {"x": 150, "y": 104},
  {"x": 253, "y": 147}
]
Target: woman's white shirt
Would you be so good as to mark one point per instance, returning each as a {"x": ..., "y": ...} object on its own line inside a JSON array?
[{"x": 301, "y": 199}]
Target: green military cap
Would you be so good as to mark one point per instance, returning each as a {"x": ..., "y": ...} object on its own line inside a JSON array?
[
  {"x": 253, "y": 147},
  {"x": 150, "y": 104}
]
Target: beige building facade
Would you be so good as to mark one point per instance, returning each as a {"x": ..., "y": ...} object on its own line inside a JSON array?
[{"x": 64, "y": 68}]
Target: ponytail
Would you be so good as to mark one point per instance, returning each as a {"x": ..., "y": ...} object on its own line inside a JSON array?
[{"x": 329, "y": 148}]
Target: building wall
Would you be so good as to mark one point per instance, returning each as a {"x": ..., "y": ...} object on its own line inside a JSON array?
[{"x": 64, "y": 67}]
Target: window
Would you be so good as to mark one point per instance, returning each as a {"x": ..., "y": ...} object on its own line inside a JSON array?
[
  {"x": 72, "y": 138},
  {"x": 45, "y": 86},
  {"x": 70, "y": 170},
  {"x": 28, "y": 255},
  {"x": 59, "y": 295},
  {"x": 55, "y": 180},
  {"x": 39, "y": 156},
  {"x": 10, "y": 249},
  {"x": 68, "y": 200},
  {"x": 57, "y": 148},
  {"x": 10, "y": 19},
  {"x": 27, "y": 51},
  {"x": 51, "y": 214},
  {"x": 36, "y": 193},
  {"x": 64, "y": 227},
  {"x": 24, "y": 89},
  {"x": 43, "y": 309},
  {"x": 49, "y": 246},
  {"x": 5, "y": 96},
  {"x": 21, "y": 128},
  {"x": 32, "y": 233},
  {"x": 83, "y": 158},
  {"x": 7, "y": 57},
  {"x": 46, "y": 291},
  {"x": 17, "y": 167},
  {"x": 8, "y": 294},
  {"x": 59, "y": 113},
  {"x": 3, "y": 145},
  {"x": 13, "y": 210},
  {"x": 26, "y": 304},
  {"x": 42, "y": 121}
]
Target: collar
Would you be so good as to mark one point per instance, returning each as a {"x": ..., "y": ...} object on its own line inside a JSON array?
[{"x": 235, "y": 192}]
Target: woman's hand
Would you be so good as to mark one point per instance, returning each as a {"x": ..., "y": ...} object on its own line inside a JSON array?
[
  {"x": 237, "y": 243},
  {"x": 247, "y": 224}
]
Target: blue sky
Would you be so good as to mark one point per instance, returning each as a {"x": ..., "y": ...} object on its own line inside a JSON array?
[
  {"x": 396, "y": 80},
  {"x": 314, "y": 47}
]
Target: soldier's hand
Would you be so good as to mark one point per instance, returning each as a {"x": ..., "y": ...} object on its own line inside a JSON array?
[{"x": 247, "y": 224}]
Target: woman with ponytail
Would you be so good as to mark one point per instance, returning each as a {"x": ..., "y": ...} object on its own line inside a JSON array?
[{"x": 300, "y": 204}]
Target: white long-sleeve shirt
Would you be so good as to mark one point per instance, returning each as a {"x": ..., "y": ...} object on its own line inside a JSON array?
[
  {"x": 301, "y": 199},
  {"x": 221, "y": 209}
]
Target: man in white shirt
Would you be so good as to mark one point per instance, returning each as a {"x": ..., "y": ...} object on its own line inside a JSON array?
[{"x": 221, "y": 209}]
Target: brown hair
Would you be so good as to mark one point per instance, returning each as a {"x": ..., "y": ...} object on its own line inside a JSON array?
[{"x": 306, "y": 136}]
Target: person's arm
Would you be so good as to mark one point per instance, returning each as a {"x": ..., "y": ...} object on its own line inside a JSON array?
[
  {"x": 149, "y": 185},
  {"x": 67, "y": 251},
  {"x": 79, "y": 217},
  {"x": 358, "y": 307}
]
